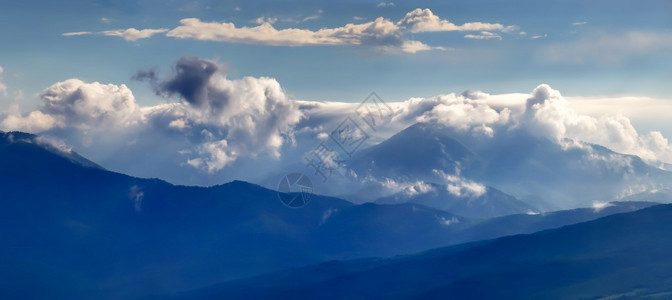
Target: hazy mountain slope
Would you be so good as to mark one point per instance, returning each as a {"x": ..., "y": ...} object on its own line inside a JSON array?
[
  {"x": 615, "y": 255},
  {"x": 535, "y": 170}
]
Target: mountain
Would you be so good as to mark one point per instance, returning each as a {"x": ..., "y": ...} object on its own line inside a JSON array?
[
  {"x": 414, "y": 152},
  {"x": 491, "y": 203},
  {"x": 535, "y": 170},
  {"x": 619, "y": 256},
  {"x": 71, "y": 229},
  {"x": 534, "y": 222}
]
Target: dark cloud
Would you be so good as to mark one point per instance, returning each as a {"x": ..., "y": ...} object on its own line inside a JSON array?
[
  {"x": 189, "y": 81},
  {"x": 146, "y": 75}
]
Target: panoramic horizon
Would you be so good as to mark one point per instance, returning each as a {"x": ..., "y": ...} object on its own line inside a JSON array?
[{"x": 355, "y": 149}]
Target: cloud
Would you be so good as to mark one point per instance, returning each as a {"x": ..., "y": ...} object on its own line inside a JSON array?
[
  {"x": 385, "y": 4},
  {"x": 221, "y": 119},
  {"x": 457, "y": 111},
  {"x": 77, "y": 33},
  {"x": 105, "y": 20},
  {"x": 244, "y": 117},
  {"x": 418, "y": 188},
  {"x": 607, "y": 48},
  {"x": 459, "y": 186},
  {"x": 310, "y": 18},
  {"x": 380, "y": 33},
  {"x": 599, "y": 206},
  {"x": 423, "y": 20},
  {"x": 76, "y": 104},
  {"x": 579, "y": 23},
  {"x": 3, "y": 87},
  {"x": 133, "y": 34},
  {"x": 262, "y": 20},
  {"x": 549, "y": 115},
  {"x": 35, "y": 121},
  {"x": 485, "y": 35}
]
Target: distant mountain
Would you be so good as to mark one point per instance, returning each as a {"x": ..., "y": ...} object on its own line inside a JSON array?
[
  {"x": 619, "y": 256},
  {"x": 414, "y": 152},
  {"x": 537, "y": 171},
  {"x": 492, "y": 203},
  {"x": 534, "y": 222}
]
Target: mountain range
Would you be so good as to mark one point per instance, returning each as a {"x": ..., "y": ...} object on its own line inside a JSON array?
[{"x": 72, "y": 229}]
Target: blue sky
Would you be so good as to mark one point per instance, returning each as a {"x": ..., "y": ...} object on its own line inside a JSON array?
[
  {"x": 67, "y": 72},
  {"x": 35, "y": 54}
]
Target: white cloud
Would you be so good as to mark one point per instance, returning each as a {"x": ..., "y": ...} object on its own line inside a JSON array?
[
  {"x": 549, "y": 115},
  {"x": 484, "y": 35},
  {"x": 459, "y": 186},
  {"x": 380, "y": 33},
  {"x": 105, "y": 20},
  {"x": 460, "y": 112},
  {"x": 385, "y": 4},
  {"x": 262, "y": 20},
  {"x": 423, "y": 20},
  {"x": 77, "y": 33},
  {"x": 579, "y": 23},
  {"x": 35, "y": 121},
  {"x": 599, "y": 206},
  {"x": 76, "y": 104},
  {"x": 133, "y": 34},
  {"x": 418, "y": 188},
  {"x": 448, "y": 222},
  {"x": 53, "y": 143}
]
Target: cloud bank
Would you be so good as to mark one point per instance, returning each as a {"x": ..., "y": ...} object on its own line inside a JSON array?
[
  {"x": 211, "y": 122},
  {"x": 381, "y": 34}
]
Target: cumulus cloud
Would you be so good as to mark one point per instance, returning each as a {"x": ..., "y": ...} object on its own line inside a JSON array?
[
  {"x": 224, "y": 119},
  {"x": 458, "y": 111},
  {"x": 549, "y": 115},
  {"x": 248, "y": 116},
  {"x": 133, "y": 34},
  {"x": 77, "y": 104},
  {"x": 424, "y": 20}
]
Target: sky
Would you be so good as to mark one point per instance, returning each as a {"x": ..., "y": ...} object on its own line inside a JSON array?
[{"x": 200, "y": 74}]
